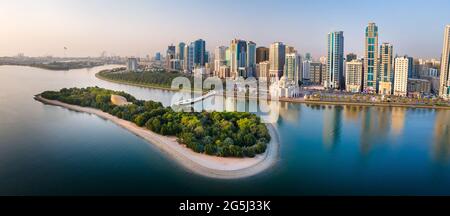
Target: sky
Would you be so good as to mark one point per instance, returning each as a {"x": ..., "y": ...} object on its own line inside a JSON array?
[{"x": 143, "y": 27}]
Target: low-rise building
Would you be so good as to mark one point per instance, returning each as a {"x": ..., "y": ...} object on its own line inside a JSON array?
[{"x": 421, "y": 86}]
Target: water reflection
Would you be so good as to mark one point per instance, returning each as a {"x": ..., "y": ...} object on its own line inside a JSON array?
[
  {"x": 398, "y": 120},
  {"x": 441, "y": 142},
  {"x": 332, "y": 124}
]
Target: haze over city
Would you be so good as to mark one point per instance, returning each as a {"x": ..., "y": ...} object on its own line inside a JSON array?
[{"x": 140, "y": 28}]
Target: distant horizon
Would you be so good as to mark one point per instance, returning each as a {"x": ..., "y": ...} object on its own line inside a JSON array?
[{"x": 140, "y": 28}]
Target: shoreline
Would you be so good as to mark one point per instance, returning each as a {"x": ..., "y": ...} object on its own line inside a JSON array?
[
  {"x": 201, "y": 164},
  {"x": 295, "y": 100},
  {"x": 301, "y": 101}
]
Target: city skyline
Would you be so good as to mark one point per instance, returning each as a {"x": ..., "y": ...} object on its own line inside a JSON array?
[{"x": 142, "y": 27}]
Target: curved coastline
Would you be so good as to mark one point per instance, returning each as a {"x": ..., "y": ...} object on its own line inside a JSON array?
[{"x": 205, "y": 165}]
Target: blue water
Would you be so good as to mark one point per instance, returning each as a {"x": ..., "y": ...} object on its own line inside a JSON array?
[{"x": 325, "y": 150}]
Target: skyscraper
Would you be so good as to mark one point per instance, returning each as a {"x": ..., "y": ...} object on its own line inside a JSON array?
[
  {"x": 170, "y": 54},
  {"x": 292, "y": 68},
  {"x": 371, "y": 58},
  {"x": 277, "y": 54},
  {"x": 411, "y": 67},
  {"x": 251, "y": 59},
  {"x": 353, "y": 75},
  {"x": 187, "y": 63},
  {"x": 199, "y": 54},
  {"x": 334, "y": 77},
  {"x": 238, "y": 52},
  {"x": 386, "y": 67},
  {"x": 444, "y": 86},
  {"x": 180, "y": 51},
  {"x": 220, "y": 58},
  {"x": 306, "y": 70},
  {"x": 402, "y": 65},
  {"x": 262, "y": 54}
]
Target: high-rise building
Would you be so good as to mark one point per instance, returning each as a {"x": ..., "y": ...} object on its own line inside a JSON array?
[
  {"x": 306, "y": 70},
  {"x": 238, "y": 52},
  {"x": 371, "y": 58},
  {"x": 411, "y": 68},
  {"x": 277, "y": 54},
  {"x": 334, "y": 76},
  {"x": 401, "y": 66},
  {"x": 263, "y": 70},
  {"x": 386, "y": 68},
  {"x": 262, "y": 54},
  {"x": 170, "y": 54},
  {"x": 158, "y": 56},
  {"x": 251, "y": 59},
  {"x": 353, "y": 75},
  {"x": 228, "y": 56},
  {"x": 350, "y": 57},
  {"x": 199, "y": 54},
  {"x": 187, "y": 61},
  {"x": 220, "y": 58},
  {"x": 316, "y": 70},
  {"x": 444, "y": 86},
  {"x": 292, "y": 68},
  {"x": 180, "y": 51},
  {"x": 132, "y": 64}
]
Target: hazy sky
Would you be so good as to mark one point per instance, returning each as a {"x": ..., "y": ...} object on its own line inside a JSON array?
[{"x": 141, "y": 27}]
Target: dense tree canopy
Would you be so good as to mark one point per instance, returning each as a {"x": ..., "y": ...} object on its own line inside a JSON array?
[{"x": 225, "y": 134}]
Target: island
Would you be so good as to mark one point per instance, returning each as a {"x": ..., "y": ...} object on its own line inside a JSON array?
[{"x": 214, "y": 144}]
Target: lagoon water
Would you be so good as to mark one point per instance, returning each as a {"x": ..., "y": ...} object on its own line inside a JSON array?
[{"x": 324, "y": 150}]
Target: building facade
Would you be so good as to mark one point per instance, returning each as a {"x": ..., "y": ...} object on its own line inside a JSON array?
[
  {"x": 263, "y": 71},
  {"x": 277, "y": 54},
  {"x": 444, "y": 86},
  {"x": 418, "y": 87},
  {"x": 306, "y": 71},
  {"x": 386, "y": 69},
  {"x": 334, "y": 76},
  {"x": 251, "y": 60},
  {"x": 219, "y": 58},
  {"x": 402, "y": 65},
  {"x": 353, "y": 75},
  {"x": 132, "y": 64},
  {"x": 316, "y": 70},
  {"x": 371, "y": 58},
  {"x": 238, "y": 61},
  {"x": 262, "y": 54},
  {"x": 199, "y": 53},
  {"x": 292, "y": 68}
]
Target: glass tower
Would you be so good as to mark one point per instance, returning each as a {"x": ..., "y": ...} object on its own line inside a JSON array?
[{"x": 371, "y": 59}]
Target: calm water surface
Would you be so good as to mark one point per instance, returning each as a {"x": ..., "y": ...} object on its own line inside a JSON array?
[{"x": 325, "y": 150}]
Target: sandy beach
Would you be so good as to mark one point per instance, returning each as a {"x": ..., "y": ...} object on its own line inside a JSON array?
[{"x": 205, "y": 165}]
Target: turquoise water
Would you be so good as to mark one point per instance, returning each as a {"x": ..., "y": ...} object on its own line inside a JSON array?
[{"x": 325, "y": 150}]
